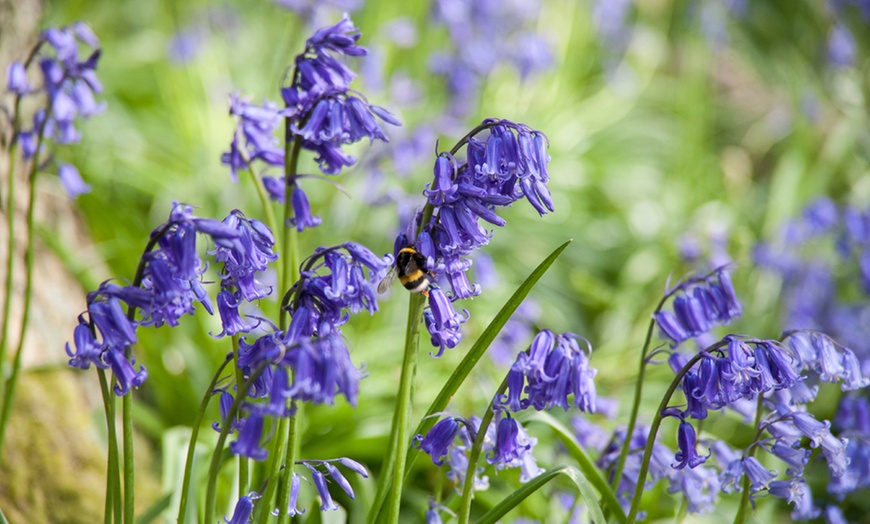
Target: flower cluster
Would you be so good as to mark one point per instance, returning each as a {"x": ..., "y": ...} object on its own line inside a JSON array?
[
  {"x": 312, "y": 347},
  {"x": 243, "y": 258},
  {"x": 505, "y": 445},
  {"x": 509, "y": 165},
  {"x": 167, "y": 288},
  {"x": 699, "y": 484},
  {"x": 321, "y": 115},
  {"x": 700, "y": 304},
  {"x": 553, "y": 368},
  {"x": 69, "y": 83}
]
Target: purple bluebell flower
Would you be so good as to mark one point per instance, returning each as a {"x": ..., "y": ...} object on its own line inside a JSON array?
[
  {"x": 68, "y": 82},
  {"x": 841, "y": 47},
  {"x": 72, "y": 181},
  {"x": 554, "y": 367},
  {"x": 796, "y": 458},
  {"x": 439, "y": 438},
  {"x": 254, "y": 137},
  {"x": 700, "y": 304},
  {"x": 796, "y": 492},
  {"x": 326, "y": 502},
  {"x": 248, "y": 443},
  {"x": 231, "y": 321},
  {"x": 302, "y": 217},
  {"x": 833, "y": 362},
  {"x": 16, "y": 79},
  {"x": 687, "y": 454},
  {"x": 275, "y": 188},
  {"x": 442, "y": 321},
  {"x": 124, "y": 371},
  {"x": 224, "y": 404},
  {"x": 507, "y": 446},
  {"x": 88, "y": 350},
  {"x": 759, "y": 476},
  {"x": 242, "y": 512},
  {"x": 339, "y": 479},
  {"x": 117, "y": 331}
]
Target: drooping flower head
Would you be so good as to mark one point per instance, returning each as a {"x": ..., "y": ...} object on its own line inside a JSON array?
[
  {"x": 510, "y": 164},
  {"x": 321, "y": 114},
  {"x": 69, "y": 84},
  {"x": 698, "y": 306},
  {"x": 552, "y": 369}
]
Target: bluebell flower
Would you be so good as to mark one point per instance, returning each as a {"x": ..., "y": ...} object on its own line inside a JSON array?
[
  {"x": 224, "y": 404},
  {"x": 248, "y": 442},
  {"x": 442, "y": 321},
  {"x": 88, "y": 350},
  {"x": 16, "y": 79},
  {"x": 507, "y": 447},
  {"x": 68, "y": 81},
  {"x": 124, "y": 371},
  {"x": 841, "y": 47},
  {"x": 254, "y": 137},
  {"x": 759, "y": 476},
  {"x": 700, "y": 304},
  {"x": 699, "y": 486},
  {"x": 857, "y": 475},
  {"x": 231, "y": 320},
  {"x": 339, "y": 479},
  {"x": 796, "y": 458},
  {"x": 831, "y": 361},
  {"x": 554, "y": 368},
  {"x": 242, "y": 512},
  {"x": 796, "y": 492},
  {"x": 116, "y": 330},
  {"x": 439, "y": 438},
  {"x": 72, "y": 181},
  {"x": 326, "y": 503},
  {"x": 687, "y": 454}
]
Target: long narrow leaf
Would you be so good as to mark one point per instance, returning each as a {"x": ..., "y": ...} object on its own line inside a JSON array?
[
  {"x": 593, "y": 475},
  {"x": 512, "y": 500}
]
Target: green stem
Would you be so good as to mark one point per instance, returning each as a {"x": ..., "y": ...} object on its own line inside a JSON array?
[
  {"x": 113, "y": 475},
  {"x": 276, "y": 462},
  {"x": 402, "y": 415},
  {"x": 474, "y": 456},
  {"x": 654, "y": 428},
  {"x": 290, "y": 240},
  {"x": 244, "y": 473},
  {"x": 10, "y": 257},
  {"x": 264, "y": 200},
  {"x": 129, "y": 489},
  {"x": 226, "y": 424},
  {"x": 191, "y": 446},
  {"x": 9, "y": 390},
  {"x": 740, "y": 518},
  {"x": 635, "y": 406},
  {"x": 289, "y": 460}
]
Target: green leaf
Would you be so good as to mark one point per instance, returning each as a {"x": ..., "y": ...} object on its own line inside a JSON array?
[
  {"x": 512, "y": 500},
  {"x": 593, "y": 475},
  {"x": 153, "y": 513}
]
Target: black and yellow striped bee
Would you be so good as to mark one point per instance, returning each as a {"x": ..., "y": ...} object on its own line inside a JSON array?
[{"x": 411, "y": 269}]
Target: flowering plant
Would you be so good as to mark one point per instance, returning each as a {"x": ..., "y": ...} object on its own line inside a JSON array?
[{"x": 301, "y": 379}]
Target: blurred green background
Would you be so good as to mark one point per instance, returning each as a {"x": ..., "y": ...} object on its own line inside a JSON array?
[{"x": 671, "y": 123}]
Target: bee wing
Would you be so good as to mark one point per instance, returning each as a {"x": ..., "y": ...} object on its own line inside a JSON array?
[{"x": 387, "y": 281}]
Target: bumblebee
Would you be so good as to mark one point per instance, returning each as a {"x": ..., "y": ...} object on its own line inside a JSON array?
[{"x": 411, "y": 269}]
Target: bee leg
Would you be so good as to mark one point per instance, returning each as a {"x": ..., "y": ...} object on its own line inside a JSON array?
[{"x": 425, "y": 293}]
